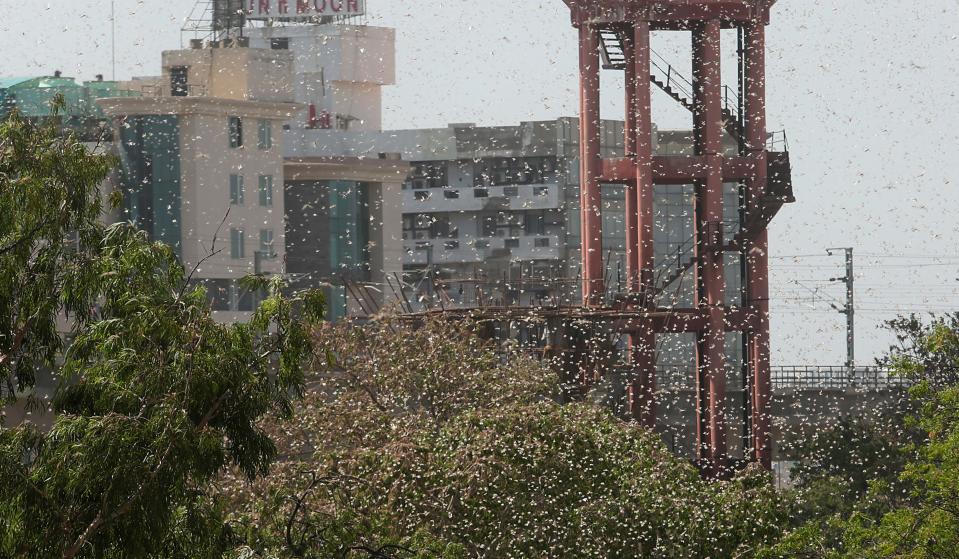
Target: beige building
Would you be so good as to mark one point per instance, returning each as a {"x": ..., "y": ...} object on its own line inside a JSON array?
[{"x": 203, "y": 169}]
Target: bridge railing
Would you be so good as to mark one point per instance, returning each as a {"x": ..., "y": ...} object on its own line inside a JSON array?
[
  {"x": 835, "y": 378},
  {"x": 803, "y": 377}
]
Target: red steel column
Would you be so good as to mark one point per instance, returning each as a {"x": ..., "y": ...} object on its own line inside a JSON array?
[
  {"x": 757, "y": 248},
  {"x": 629, "y": 145},
  {"x": 711, "y": 358},
  {"x": 590, "y": 166},
  {"x": 646, "y": 357}
]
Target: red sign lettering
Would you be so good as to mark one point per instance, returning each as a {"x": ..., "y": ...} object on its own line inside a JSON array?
[
  {"x": 283, "y": 6},
  {"x": 264, "y": 6},
  {"x": 337, "y": 5},
  {"x": 353, "y": 5},
  {"x": 320, "y": 5},
  {"x": 302, "y": 6}
]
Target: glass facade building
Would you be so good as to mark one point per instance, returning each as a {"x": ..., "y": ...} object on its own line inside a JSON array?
[{"x": 150, "y": 175}]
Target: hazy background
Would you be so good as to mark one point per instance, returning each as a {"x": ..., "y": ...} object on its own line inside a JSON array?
[{"x": 864, "y": 89}]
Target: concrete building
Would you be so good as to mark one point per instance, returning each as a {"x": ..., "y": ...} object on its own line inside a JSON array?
[{"x": 204, "y": 170}]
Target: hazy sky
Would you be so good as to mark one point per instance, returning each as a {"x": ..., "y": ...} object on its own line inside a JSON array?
[{"x": 865, "y": 90}]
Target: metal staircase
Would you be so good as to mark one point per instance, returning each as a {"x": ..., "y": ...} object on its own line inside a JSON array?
[
  {"x": 670, "y": 81},
  {"x": 676, "y": 266}
]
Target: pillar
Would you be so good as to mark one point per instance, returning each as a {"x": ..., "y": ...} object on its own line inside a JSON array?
[
  {"x": 711, "y": 357},
  {"x": 590, "y": 166},
  {"x": 644, "y": 350},
  {"x": 757, "y": 247}
]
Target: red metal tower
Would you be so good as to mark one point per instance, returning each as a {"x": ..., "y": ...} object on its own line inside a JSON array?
[{"x": 617, "y": 32}]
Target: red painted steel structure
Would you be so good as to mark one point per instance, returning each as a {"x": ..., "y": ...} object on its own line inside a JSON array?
[{"x": 708, "y": 169}]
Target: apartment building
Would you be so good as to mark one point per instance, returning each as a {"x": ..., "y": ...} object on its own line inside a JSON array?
[{"x": 205, "y": 170}]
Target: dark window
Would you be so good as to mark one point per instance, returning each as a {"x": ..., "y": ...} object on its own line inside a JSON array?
[
  {"x": 480, "y": 193},
  {"x": 481, "y": 244},
  {"x": 451, "y": 194},
  {"x": 244, "y": 300},
  {"x": 179, "y": 76},
  {"x": 417, "y": 226},
  {"x": 451, "y": 245},
  {"x": 236, "y": 132},
  {"x": 431, "y": 174},
  {"x": 541, "y": 191},
  {"x": 510, "y": 192},
  {"x": 541, "y": 243},
  {"x": 280, "y": 43},
  {"x": 422, "y": 195},
  {"x": 535, "y": 223},
  {"x": 511, "y": 243}
]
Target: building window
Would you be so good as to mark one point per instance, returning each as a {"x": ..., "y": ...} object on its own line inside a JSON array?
[
  {"x": 429, "y": 175},
  {"x": 266, "y": 243},
  {"x": 422, "y": 195},
  {"x": 510, "y": 191},
  {"x": 541, "y": 243},
  {"x": 266, "y": 191},
  {"x": 236, "y": 244},
  {"x": 451, "y": 194},
  {"x": 235, "y": 131},
  {"x": 264, "y": 139},
  {"x": 280, "y": 43},
  {"x": 451, "y": 245},
  {"x": 481, "y": 244},
  {"x": 480, "y": 193},
  {"x": 540, "y": 191},
  {"x": 236, "y": 190},
  {"x": 511, "y": 243},
  {"x": 179, "y": 76}
]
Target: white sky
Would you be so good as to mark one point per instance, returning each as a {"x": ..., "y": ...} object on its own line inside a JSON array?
[{"x": 866, "y": 91}]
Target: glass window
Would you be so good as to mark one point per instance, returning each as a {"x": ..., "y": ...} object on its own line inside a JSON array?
[
  {"x": 266, "y": 190},
  {"x": 264, "y": 139},
  {"x": 266, "y": 243},
  {"x": 235, "y": 131},
  {"x": 236, "y": 190},
  {"x": 236, "y": 243}
]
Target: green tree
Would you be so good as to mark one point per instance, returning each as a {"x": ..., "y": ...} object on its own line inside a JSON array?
[
  {"x": 430, "y": 443},
  {"x": 922, "y": 523},
  {"x": 158, "y": 397},
  {"x": 49, "y": 233}
]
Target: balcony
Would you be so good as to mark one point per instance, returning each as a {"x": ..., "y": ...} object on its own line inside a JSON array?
[
  {"x": 498, "y": 198},
  {"x": 464, "y": 251}
]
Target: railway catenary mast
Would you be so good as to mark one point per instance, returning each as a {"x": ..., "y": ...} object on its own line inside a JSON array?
[{"x": 615, "y": 34}]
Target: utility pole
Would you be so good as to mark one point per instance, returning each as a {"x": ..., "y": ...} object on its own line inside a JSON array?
[{"x": 850, "y": 309}]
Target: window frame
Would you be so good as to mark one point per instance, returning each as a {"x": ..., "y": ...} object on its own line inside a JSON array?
[
  {"x": 235, "y": 131},
  {"x": 236, "y": 189},
  {"x": 264, "y": 135},
  {"x": 265, "y": 188},
  {"x": 237, "y": 242}
]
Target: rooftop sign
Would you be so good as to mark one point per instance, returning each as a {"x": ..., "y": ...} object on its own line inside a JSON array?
[{"x": 304, "y": 9}]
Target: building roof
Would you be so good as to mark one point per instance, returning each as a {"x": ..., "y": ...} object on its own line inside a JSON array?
[{"x": 6, "y": 82}]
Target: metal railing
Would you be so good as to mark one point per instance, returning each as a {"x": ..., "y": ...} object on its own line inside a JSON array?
[
  {"x": 165, "y": 90},
  {"x": 777, "y": 141},
  {"x": 835, "y": 378}
]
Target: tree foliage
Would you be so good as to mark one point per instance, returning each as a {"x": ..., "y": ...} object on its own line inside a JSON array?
[
  {"x": 157, "y": 398},
  {"x": 428, "y": 443},
  {"x": 915, "y": 515},
  {"x": 49, "y": 233}
]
